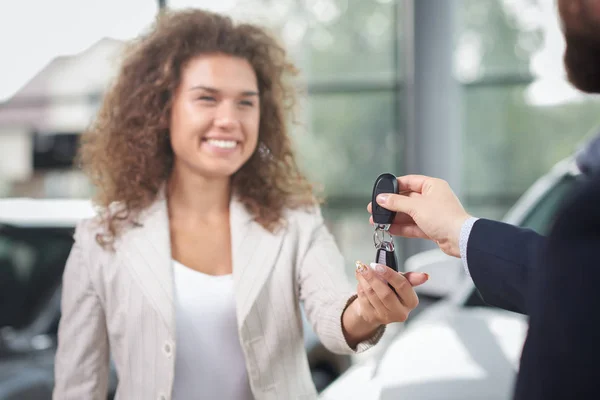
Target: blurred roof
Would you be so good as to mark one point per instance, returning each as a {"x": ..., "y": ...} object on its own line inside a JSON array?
[
  {"x": 68, "y": 86},
  {"x": 78, "y": 74},
  {"x": 44, "y": 212}
]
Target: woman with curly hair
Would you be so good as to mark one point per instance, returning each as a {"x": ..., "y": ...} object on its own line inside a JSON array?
[{"x": 209, "y": 238}]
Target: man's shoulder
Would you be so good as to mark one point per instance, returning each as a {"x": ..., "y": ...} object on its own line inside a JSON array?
[
  {"x": 581, "y": 211},
  {"x": 592, "y": 186},
  {"x": 586, "y": 197}
]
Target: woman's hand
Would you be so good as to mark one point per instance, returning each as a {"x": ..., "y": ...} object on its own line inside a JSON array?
[{"x": 377, "y": 304}]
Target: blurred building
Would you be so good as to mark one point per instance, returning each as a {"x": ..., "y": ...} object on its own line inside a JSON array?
[{"x": 40, "y": 125}]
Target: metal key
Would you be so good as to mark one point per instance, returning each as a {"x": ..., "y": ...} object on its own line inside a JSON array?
[{"x": 387, "y": 256}]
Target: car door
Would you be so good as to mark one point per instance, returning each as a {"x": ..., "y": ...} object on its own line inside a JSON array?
[{"x": 31, "y": 264}]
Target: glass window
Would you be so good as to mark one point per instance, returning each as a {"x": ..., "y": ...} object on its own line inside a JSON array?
[
  {"x": 542, "y": 215},
  {"x": 351, "y": 139},
  {"x": 510, "y": 141},
  {"x": 31, "y": 265}
]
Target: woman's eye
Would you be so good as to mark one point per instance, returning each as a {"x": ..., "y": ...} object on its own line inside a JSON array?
[
  {"x": 247, "y": 103},
  {"x": 207, "y": 98}
]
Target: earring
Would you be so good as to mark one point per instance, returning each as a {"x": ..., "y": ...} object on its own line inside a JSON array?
[{"x": 264, "y": 152}]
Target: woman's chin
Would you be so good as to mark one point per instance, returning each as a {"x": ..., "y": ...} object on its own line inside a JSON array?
[
  {"x": 218, "y": 171},
  {"x": 210, "y": 167}
]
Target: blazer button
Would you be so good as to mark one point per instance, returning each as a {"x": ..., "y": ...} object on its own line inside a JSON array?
[
  {"x": 168, "y": 348},
  {"x": 162, "y": 397}
]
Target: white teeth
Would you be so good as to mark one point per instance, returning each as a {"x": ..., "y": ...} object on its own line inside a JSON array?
[{"x": 223, "y": 144}]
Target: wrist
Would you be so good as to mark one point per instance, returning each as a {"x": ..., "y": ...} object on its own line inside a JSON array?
[
  {"x": 453, "y": 242},
  {"x": 355, "y": 325},
  {"x": 355, "y": 328}
]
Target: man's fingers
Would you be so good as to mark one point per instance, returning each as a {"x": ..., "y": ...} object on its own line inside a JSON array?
[
  {"x": 401, "y": 219},
  {"x": 404, "y": 226},
  {"x": 397, "y": 202},
  {"x": 408, "y": 231},
  {"x": 414, "y": 183}
]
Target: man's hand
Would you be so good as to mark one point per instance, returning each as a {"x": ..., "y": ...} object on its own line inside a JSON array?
[{"x": 426, "y": 208}]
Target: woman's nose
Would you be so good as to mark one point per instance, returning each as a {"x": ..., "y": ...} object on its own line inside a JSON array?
[{"x": 226, "y": 116}]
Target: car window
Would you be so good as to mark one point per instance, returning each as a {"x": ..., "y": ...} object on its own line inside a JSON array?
[
  {"x": 31, "y": 265},
  {"x": 541, "y": 216}
]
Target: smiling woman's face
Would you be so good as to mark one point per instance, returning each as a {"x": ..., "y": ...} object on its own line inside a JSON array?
[{"x": 215, "y": 116}]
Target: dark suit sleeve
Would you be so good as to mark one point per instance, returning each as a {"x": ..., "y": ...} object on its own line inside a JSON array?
[
  {"x": 561, "y": 355},
  {"x": 500, "y": 258}
]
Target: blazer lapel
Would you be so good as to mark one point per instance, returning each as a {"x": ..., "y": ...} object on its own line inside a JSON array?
[
  {"x": 254, "y": 252},
  {"x": 146, "y": 251}
]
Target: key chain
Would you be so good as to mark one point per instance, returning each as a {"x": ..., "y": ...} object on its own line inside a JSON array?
[{"x": 383, "y": 218}]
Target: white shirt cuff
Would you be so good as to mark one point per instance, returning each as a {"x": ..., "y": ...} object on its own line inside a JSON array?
[{"x": 465, "y": 232}]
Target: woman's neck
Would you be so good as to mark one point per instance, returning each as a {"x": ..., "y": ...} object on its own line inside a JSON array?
[{"x": 195, "y": 198}]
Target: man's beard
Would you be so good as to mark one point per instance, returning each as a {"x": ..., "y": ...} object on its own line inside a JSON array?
[{"x": 582, "y": 62}]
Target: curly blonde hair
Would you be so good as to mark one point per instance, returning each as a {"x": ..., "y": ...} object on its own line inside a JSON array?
[{"x": 127, "y": 153}]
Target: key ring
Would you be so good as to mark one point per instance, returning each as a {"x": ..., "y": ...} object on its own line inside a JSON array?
[{"x": 379, "y": 236}]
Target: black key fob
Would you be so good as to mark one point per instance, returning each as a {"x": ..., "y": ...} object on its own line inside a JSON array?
[{"x": 385, "y": 183}]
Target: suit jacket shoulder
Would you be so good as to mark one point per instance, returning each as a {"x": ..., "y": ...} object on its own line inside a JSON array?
[{"x": 560, "y": 357}]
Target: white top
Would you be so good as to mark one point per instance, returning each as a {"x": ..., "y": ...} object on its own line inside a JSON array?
[{"x": 209, "y": 362}]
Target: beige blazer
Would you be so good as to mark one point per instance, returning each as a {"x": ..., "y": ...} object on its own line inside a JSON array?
[{"x": 122, "y": 302}]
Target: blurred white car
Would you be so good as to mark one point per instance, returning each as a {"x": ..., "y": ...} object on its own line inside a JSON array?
[{"x": 460, "y": 347}]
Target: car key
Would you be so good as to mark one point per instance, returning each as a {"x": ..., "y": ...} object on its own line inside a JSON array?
[
  {"x": 385, "y": 183},
  {"x": 383, "y": 218}
]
